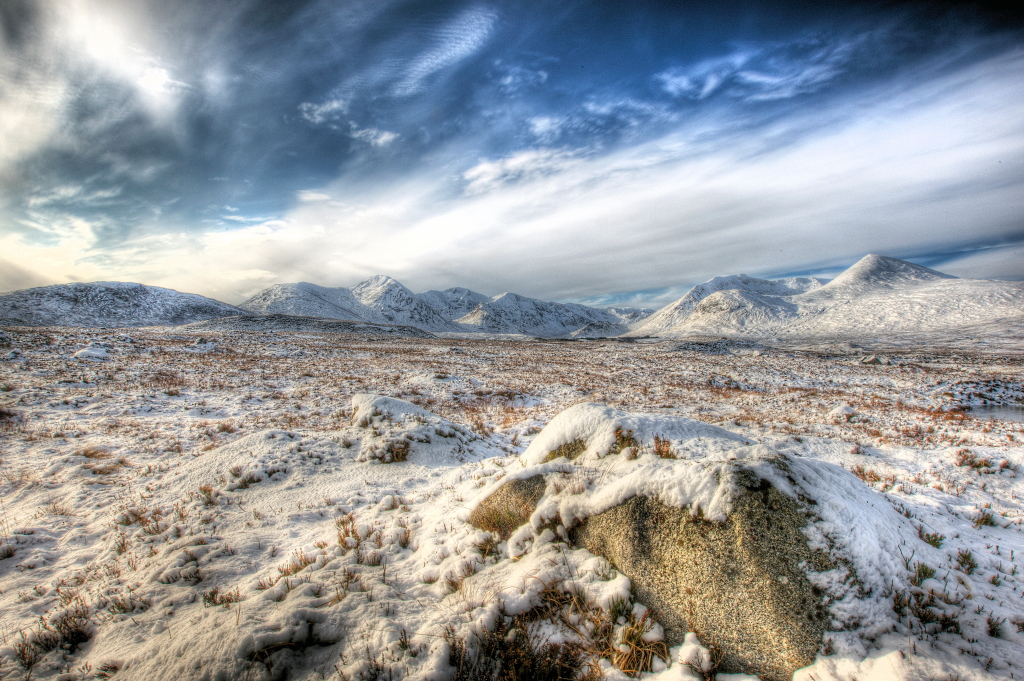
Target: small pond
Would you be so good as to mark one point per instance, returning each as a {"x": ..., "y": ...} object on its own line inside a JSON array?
[{"x": 1001, "y": 412}]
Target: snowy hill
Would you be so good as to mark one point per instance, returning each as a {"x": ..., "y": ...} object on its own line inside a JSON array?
[
  {"x": 676, "y": 313},
  {"x": 393, "y": 303},
  {"x": 383, "y": 300},
  {"x": 453, "y": 303},
  {"x": 107, "y": 304},
  {"x": 307, "y": 300},
  {"x": 879, "y": 298},
  {"x": 629, "y": 315}
]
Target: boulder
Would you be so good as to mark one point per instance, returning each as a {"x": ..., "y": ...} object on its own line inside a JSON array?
[
  {"x": 740, "y": 585},
  {"x": 509, "y": 507}
]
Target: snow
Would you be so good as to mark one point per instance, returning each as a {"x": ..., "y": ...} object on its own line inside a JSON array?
[
  {"x": 175, "y": 467},
  {"x": 93, "y": 353},
  {"x": 107, "y": 304},
  {"x": 381, "y": 299},
  {"x": 878, "y": 301},
  {"x": 674, "y": 314}
]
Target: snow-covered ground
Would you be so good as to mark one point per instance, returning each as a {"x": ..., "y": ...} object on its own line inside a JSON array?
[{"x": 295, "y": 505}]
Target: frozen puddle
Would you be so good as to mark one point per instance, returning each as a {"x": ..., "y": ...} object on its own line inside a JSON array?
[{"x": 1002, "y": 412}]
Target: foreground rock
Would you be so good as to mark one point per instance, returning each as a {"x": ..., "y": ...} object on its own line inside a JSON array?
[
  {"x": 740, "y": 585},
  {"x": 719, "y": 538}
]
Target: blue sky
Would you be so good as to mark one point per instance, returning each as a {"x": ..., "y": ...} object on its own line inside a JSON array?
[{"x": 608, "y": 152}]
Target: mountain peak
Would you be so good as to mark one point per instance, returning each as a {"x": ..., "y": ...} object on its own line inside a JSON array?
[{"x": 881, "y": 270}]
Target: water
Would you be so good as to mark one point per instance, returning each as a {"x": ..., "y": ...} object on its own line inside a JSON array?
[{"x": 1004, "y": 412}]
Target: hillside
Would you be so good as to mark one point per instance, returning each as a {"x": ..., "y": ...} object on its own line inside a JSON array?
[
  {"x": 878, "y": 299},
  {"x": 383, "y": 300},
  {"x": 107, "y": 304}
]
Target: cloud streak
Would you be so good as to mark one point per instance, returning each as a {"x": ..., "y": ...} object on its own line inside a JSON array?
[{"x": 466, "y": 146}]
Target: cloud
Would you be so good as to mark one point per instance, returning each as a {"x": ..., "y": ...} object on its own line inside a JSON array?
[
  {"x": 455, "y": 41},
  {"x": 776, "y": 70},
  {"x": 308, "y": 196},
  {"x": 529, "y": 164},
  {"x": 373, "y": 136},
  {"x": 318, "y": 114},
  {"x": 14, "y": 277},
  {"x": 513, "y": 79},
  {"x": 513, "y": 174},
  {"x": 1001, "y": 261}
]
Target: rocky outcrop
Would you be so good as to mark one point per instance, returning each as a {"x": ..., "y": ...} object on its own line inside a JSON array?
[{"x": 740, "y": 585}]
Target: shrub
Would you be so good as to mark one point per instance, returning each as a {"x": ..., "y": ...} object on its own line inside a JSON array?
[
  {"x": 633, "y": 654},
  {"x": 663, "y": 448},
  {"x": 396, "y": 451},
  {"x": 512, "y": 651},
  {"x": 965, "y": 561},
  {"x": 933, "y": 538},
  {"x": 214, "y": 597}
]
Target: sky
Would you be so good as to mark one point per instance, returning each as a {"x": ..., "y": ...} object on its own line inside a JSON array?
[{"x": 606, "y": 152}]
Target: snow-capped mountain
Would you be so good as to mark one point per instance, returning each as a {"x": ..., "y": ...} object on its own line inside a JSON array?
[
  {"x": 453, "y": 303},
  {"x": 674, "y": 314},
  {"x": 395, "y": 304},
  {"x": 629, "y": 315},
  {"x": 307, "y": 300},
  {"x": 877, "y": 298},
  {"x": 378, "y": 300},
  {"x": 381, "y": 299},
  {"x": 107, "y": 304},
  {"x": 513, "y": 313}
]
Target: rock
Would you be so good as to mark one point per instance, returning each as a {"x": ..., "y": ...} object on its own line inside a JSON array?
[
  {"x": 739, "y": 585},
  {"x": 510, "y": 507},
  {"x": 842, "y": 413},
  {"x": 14, "y": 355},
  {"x": 876, "y": 359},
  {"x": 93, "y": 353},
  {"x": 5, "y": 339}
]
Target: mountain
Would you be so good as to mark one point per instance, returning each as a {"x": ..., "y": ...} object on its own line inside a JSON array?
[
  {"x": 629, "y": 315},
  {"x": 878, "y": 298},
  {"x": 513, "y": 313},
  {"x": 308, "y": 300},
  {"x": 107, "y": 304},
  {"x": 453, "y": 303},
  {"x": 674, "y": 314},
  {"x": 382, "y": 300},
  {"x": 395, "y": 304}
]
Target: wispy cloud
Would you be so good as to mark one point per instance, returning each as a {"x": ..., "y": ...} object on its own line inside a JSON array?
[
  {"x": 529, "y": 164},
  {"x": 455, "y": 41},
  {"x": 777, "y": 70},
  {"x": 331, "y": 110},
  {"x": 516, "y": 151},
  {"x": 373, "y": 136}
]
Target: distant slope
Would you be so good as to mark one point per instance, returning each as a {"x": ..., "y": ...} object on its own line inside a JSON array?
[
  {"x": 383, "y": 300},
  {"x": 513, "y": 313},
  {"x": 308, "y": 300},
  {"x": 453, "y": 303},
  {"x": 676, "y": 313},
  {"x": 392, "y": 302},
  {"x": 107, "y": 304},
  {"x": 878, "y": 299},
  {"x": 629, "y": 316},
  {"x": 281, "y": 322}
]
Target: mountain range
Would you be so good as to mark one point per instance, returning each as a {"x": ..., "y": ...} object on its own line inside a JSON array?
[
  {"x": 381, "y": 299},
  {"x": 876, "y": 299}
]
